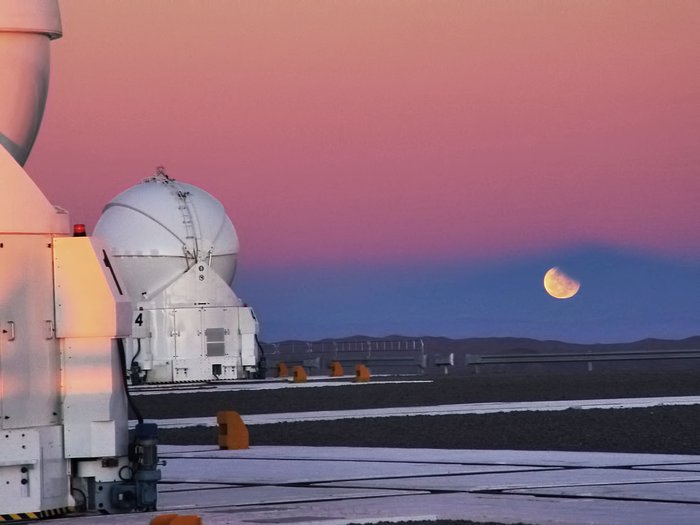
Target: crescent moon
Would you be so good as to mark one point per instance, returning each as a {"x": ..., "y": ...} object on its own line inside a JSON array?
[{"x": 559, "y": 285}]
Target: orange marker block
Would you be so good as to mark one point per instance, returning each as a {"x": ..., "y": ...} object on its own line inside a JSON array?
[
  {"x": 233, "y": 434},
  {"x": 362, "y": 374},
  {"x": 282, "y": 370},
  {"x": 176, "y": 519},
  {"x": 336, "y": 369},
  {"x": 187, "y": 520},
  {"x": 299, "y": 374}
]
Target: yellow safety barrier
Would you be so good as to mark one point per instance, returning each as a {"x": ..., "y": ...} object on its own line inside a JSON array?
[
  {"x": 282, "y": 370},
  {"x": 233, "y": 434},
  {"x": 187, "y": 520},
  {"x": 336, "y": 369},
  {"x": 176, "y": 519},
  {"x": 299, "y": 374},
  {"x": 362, "y": 374}
]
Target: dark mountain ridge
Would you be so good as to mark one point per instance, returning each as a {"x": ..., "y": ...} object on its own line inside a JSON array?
[{"x": 489, "y": 345}]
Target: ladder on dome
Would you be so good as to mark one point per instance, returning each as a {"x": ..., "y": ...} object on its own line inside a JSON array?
[{"x": 190, "y": 227}]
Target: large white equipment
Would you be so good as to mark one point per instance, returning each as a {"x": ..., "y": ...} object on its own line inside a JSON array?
[
  {"x": 176, "y": 250},
  {"x": 63, "y": 403}
]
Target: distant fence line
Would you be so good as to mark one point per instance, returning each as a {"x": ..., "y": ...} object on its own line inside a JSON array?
[
  {"x": 408, "y": 356},
  {"x": 575, "y": 357},
  {"x": 390, "y": 356},
  {"x": 354, "y": 345}
]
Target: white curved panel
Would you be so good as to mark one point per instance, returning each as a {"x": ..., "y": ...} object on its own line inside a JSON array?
[
  {"x": 23, "y": 92},
  {"x": 131, "y": 232},
  {"x": 160, "y": 228},
  {"x": 31, "y": 16},
  {"x": 25, "y": 29},
  {"x": 145, "y": 277},
  {"x": 225, "y": 266}
]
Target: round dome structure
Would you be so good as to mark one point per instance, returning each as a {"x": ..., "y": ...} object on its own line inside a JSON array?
[
  {"x": 158, "y": 229},
  {"x": 24, "y": 61}
]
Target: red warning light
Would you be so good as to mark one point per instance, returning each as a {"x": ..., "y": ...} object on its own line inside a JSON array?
[{"x": 79, "y": 230}]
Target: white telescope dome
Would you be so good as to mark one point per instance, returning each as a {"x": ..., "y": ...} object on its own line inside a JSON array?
[
  {"x": 26, "y": 26},
  {"x": 158, "y": 229}
]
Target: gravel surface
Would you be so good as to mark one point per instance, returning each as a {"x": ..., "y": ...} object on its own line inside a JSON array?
[
  {"x": 672, "y": 429},
  {"x": 435, "y": 391}
]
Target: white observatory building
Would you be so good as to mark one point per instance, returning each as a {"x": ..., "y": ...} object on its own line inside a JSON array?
[
  {"x": 63, "y": 402},
  {"x": 176, "y": 249}
]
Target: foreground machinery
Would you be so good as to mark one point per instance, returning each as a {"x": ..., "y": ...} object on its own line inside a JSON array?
[{"x": 64, "y": 438}]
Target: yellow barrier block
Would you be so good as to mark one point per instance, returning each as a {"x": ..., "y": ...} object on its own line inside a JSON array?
[
  {"x": 233, "y": 434},
  {"x": 299, "y": 374},
  {"x": 282, "y": 370},
  {"x": 163, "y": 519},
  {"x": 336, "y": 369},
  {"x": 362, "y": 374},
  {"x": 176, "y": 519}
]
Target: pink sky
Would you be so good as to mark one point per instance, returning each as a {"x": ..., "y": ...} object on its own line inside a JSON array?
[{"x": 388, "y": 130}]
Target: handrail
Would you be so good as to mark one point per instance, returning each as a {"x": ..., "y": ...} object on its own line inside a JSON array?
[{"x": 641, "y": 355}]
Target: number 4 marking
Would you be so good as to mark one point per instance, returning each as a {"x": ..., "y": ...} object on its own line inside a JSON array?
[{"x": 139, "y": 320}]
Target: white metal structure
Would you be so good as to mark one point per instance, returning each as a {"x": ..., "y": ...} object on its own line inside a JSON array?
[
  {"x": 176, "y": 251},
  {"x": 63, "y": 405}
]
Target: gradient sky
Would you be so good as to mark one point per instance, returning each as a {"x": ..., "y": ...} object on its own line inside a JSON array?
[{"x": 406, "y": 167}]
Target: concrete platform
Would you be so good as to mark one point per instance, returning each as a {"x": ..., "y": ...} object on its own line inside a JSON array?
[{"x": 340, "y": 485}]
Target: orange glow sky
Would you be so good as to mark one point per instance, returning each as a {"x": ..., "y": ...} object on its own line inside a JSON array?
[{"x": 389, "y": 132}]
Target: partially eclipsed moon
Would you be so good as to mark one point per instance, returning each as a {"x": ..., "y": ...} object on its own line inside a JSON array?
[{"x": 560, "y": 285}]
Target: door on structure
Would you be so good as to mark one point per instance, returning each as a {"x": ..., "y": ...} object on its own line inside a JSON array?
[
  {"x": 29, "y": 354},
  {"x": 188, "y": 346}
]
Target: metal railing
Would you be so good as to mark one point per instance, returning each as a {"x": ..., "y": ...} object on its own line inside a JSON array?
[
  {"x": 586, "y": 357},
  {"x": 399, "y": 356},
  {"x": 408, "y": 356}
]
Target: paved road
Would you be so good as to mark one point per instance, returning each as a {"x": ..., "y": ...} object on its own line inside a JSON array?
[{"x": 332, "y": 486}]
